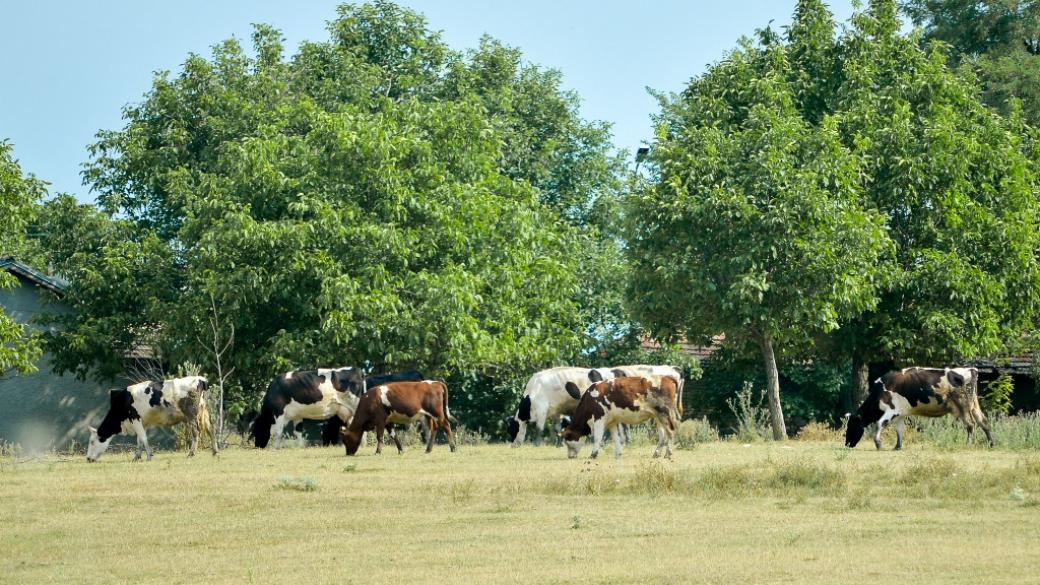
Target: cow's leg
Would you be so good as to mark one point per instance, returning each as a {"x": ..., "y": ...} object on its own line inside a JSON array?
[
  {"x": 539, "y": 426},
  {"x": 142, "y": 439},
  {"x": 558, "y": 430},
  {"x": 191, "y": 428},
  {"x": 980, "y": 418},
  {"x": 380, "y": 429},
  {"x": 277, "y": 429},
  {"x": 877, "y": 435},
  {"x": 139, "y": 447},
  {"x": 626, "y": 433},
  {"x": 425, "y": 428},
  {"x": 393, "y": 436},
  {"x": 599, "y": 426},
  {"x": 444, "y": 424},
  {"x": 298, "y": 433},
  {"x": 618, "y": 440},
  {"x": 900, "y": 427},
  {"x": 521, "y": 433}
]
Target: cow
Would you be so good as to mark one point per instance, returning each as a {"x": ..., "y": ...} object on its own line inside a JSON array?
[
  {"x": 306, "y": 394},
  {"x": 400, "y": 403},
  {"x": 555, "y": 392},
  {"x": 330, "y": 432},
  {"x": 165, "y": 403},
  {"x": 625, "y": 400},
  {"x": 930, "y": 392}
]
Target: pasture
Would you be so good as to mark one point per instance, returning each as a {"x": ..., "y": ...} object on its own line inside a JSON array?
[{"x": 720, "y": 512}]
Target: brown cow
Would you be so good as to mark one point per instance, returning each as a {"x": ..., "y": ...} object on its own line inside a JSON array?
[
  {"x": 626, "y": 400},
  {"x": 400, "y": 403}
]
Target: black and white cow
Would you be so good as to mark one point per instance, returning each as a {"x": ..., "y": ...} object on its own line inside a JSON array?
[
  {"x": 930, "y": 392},
  {"x": 306, "y": 394},
  {"x": 330, "y": 431},
  {"x": 153, "y": 404}
]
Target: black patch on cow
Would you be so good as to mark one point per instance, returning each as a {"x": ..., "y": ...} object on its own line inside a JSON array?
[
  {"x": 512, "y": 428},
  {"x": 619, "y": 373},
  {"x": 956, "y": 380},
  {"x": 330, "y": 431},
  {"x": 524, "y": 411},
  {"x": 595, "y": 376},
  {"x": 120, "y": 408},
  {"x": 155, "y": 389},
  {"x": 573, "y": 390}
]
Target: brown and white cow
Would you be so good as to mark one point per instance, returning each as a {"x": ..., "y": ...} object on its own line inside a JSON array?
[
  {"x": 400, "y": 403},
  {"x": 625, "y": 400},
  {"x": 930, "y": 392}
]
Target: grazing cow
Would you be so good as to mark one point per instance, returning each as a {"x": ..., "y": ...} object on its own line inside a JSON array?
[
  {"x": 928, "y": 392},
  {"x": 555, "y": 392},
  {"x": 400, "y": 403},
  {"x": 306, "y": 394},
  {"x": 154, "y": 404},
  {"x": 625, "y": 400},
  {"x": 330, "y": 432},
  {"x": 549, "y": 394}
]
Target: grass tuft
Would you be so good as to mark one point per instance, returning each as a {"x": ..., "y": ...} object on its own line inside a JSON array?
[{"x": 298, "y": 484}]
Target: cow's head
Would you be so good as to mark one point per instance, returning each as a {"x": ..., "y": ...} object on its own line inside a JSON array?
[
  {"x": 348, "y": 380},
  {"x": 574, "y": 442},
  {"x": 95, "y": 446},
  {"x": 121, "y": 403},
  {"x": 351, "y": 440},
  {"x": 853, "y": 431}
]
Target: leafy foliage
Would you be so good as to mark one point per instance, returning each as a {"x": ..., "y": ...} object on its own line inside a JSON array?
[
  {"x": 999, "y": 40},
  {"x": 20, "y": 195},
  {"x": 376, "y": 199}
]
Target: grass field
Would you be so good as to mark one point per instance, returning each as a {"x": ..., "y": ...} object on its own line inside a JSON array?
[{"x": 802, "y": 512}]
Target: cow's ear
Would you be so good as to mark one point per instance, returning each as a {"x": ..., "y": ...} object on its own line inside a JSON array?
[
  {"x": 956, "y": 380},
  {"x": 93, "y": 431}
]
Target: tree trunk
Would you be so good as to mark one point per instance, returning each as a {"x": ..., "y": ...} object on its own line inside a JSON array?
[
  {"x": 860, "y": 384},
  {"x": 776, "y": 413}
]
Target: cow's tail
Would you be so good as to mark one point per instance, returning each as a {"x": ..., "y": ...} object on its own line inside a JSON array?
[
  {"x": 447, "y": 412},
  {"x": 679, "y": 406}
]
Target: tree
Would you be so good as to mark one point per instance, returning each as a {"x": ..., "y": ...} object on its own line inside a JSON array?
[
  {"x": 958, "y": 186},
  {"x": 376, "y": 199},
  {"x": 753, "y": 223},
  {"x": 998, "y": 39},
  {"x": 20, "y": 195}
]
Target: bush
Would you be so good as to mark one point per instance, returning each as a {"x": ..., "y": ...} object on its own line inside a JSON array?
[
  {"x": 694, "y": 431},
  {"x": 752, "y": 418}
]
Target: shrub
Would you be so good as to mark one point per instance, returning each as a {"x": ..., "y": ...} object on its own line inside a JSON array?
[
  {"x": 752, "y": 418},
  {"x": 694, "y": 431}
]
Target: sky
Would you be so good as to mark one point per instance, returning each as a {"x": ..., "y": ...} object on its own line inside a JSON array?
[{"x": 67, "y": 68}]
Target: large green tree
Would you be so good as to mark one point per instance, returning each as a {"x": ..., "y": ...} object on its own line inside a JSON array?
[
  {"x": 753, "y": 223},
  {"x": 910, "y": 144},
  {"x": 20, "y": 195},
  {"x": 958, "y": 185},
  {"x": 375, "y": 198},
  {"x": 999, "y": 39}
]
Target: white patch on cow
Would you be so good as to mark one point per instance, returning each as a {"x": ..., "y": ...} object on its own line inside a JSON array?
[
  {"x": 594, "y": 393},
  {"x": 383, "y": 390},
  {"x": 288, "y": 375}
]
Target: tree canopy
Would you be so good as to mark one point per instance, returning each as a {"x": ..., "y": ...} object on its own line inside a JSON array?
[
  {"x": 1000, "y": 40},
  {"x": 376, "y": 198},
  {"x": 851, "y": 185}
]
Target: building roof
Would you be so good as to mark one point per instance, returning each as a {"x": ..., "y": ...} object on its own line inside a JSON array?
[{"x": 55, "y": 284}]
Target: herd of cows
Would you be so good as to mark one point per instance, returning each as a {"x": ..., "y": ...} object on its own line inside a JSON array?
[{"x": 579, "y": 402}]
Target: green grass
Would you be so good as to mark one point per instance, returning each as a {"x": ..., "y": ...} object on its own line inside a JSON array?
[{"x": 720, "y": 512}]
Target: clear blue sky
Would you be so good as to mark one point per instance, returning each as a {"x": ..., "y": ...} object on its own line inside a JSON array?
[{"x": 67, "y": 68}]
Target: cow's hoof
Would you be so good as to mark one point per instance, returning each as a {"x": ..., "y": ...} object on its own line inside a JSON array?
[
  {"x": 452, "y": 448},
  {"x": 593, "y": 455}
]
